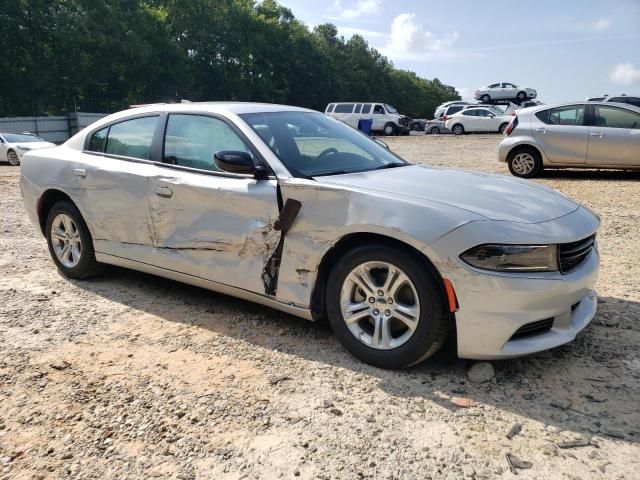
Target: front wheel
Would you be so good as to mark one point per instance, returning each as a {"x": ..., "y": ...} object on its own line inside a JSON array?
[
  {"x": 525, "y": 163},
  {"x": 434, "y": 130},
  {"x": 458, "y": 129},
  {"x": 390, "y": 129},
  {"x": 485, "y": 98},
  {"x": 12, "y": 158},
  {"x": 386, "y": 307},
  {"x": 70, "y": 243},
  {"x": 522, "y": 96}
]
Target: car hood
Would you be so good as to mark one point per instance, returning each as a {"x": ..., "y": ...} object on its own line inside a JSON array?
[{"x": 494, "y": 197}]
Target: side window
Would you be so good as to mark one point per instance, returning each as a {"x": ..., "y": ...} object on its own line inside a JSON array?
[
  {"x": 613, "y": 117},
  {"x": 455, "y": 109},
  {"x": 495, "y": 85},
  {"x": 132, "y": 138},
  {"x": 635, "y": 101},
  {"x": 344, "y": 108},
  {"x": 98, "y": 140},
  {"x": 366, "y": 108},
  {"x": 330, "y": 108},
  {"x": 378, "y": 109},
  {"x": 471, "y": 112},
  {"x": 193, "y": 140},
  {"x": 358, "y": 108},
  {"x": 543, "y": 116},
  {"x": 569, "y": 115}
]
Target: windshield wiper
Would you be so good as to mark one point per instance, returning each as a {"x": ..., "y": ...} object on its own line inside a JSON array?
[{"x": 390, "y": 165}]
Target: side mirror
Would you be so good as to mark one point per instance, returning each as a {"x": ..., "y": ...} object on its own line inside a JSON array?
[
  {"x": 381, "y": 143},
  {"x": 238, "y": 162}
]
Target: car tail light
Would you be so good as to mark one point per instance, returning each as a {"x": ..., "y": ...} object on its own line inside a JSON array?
[
  {"x": 444, "y": 118},
  {"x": 512, "y": 124}
]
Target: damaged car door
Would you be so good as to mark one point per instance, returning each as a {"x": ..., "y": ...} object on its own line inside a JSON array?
[{"x": 206, "y": 222}]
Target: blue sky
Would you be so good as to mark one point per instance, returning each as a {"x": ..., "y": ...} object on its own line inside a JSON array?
[{"x": 566, "y": 50}]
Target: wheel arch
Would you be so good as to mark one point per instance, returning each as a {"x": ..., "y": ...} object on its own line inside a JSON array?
[
  {"x": 350, "y": 241},
  {"x": 523, "y": 147},
  {"x": 46, "y": 201}
]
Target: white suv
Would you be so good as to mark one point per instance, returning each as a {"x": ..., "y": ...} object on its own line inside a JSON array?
[
  {"x": 386, "y": 118},
  {"x": 477, "y": 120},
  {"x": 504, "y": 91}
]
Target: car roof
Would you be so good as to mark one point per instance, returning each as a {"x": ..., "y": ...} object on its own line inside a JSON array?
[{"x": 539, "y": 108}]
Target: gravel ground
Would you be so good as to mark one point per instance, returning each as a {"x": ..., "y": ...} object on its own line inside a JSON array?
[{"x": 133, "y": 376}]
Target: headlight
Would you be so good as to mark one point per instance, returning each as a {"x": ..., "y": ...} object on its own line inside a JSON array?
[
  {"x": 513, "y": 258},
  {"x": 23, "y": 148}
]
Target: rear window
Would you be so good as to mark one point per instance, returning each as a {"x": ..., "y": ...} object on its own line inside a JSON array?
[
  {"x": 455, "y": 109},
  {"x": 98, "y": 140},
  {"x": 358, "y": 108},
  {"x": 344, "y": 108},
  {"x": 366, "y": 108},
  {"x": 568, "y": 115},
  {"x": 132, "y": 138}
]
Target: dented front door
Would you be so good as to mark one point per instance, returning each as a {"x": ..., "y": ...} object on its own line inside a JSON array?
[{"x": 213, "y": 226}]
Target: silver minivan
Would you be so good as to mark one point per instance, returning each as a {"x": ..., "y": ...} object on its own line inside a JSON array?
[
  {"x": 386, "y": 118},
  {"x": 574, "y": 135}
]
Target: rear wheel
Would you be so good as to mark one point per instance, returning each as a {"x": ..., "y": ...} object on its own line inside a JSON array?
[
  {"x": 525, "y": 163},
  {"x": 485, "y": 98},
  {"x": 458, "y": 129},
  {"x": 390, "y": 129},
  {"x": 70, "y": 243},
  {"x": 522, "y": 96},
  {"x": 503, "y": 127},
  {"x": 12, "y": 158},
  {"x": 385, "y": 307}
]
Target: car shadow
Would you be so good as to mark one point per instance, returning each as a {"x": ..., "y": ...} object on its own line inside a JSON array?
[
  {"x": 584, "y": 387},
  {"x": 591, "y": 174}
]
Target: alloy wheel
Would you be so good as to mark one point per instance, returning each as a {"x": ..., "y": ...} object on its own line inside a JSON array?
[
  {"x": 13, "y": 159},
  {"x": 380, "y": 305},
  {"x": 66, "y": 240},
  {"x": 523, "y": 163}
]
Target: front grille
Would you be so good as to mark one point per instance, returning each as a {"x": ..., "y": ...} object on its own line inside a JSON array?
[
  {"x": 571, "y": 255},
  {"x": 533, "y": 328}
]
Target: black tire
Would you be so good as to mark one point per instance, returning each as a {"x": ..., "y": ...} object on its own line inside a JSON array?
[
  {"x": 522, "y": 96},
  {"x": 88, "y": 266},
  {"x": 390, "y": 129},
  {"x": 433, "y": 324},
  {"x": 458, "y": 129},
  {"x": 13, "y": 159},
  {"x": 416, "y": 127},
  {"x": 503, "y": 127},
  {"x": 485, "y": 98},
  {"x": 537, "y": 159},
  {"x": 435, "y": 130}
]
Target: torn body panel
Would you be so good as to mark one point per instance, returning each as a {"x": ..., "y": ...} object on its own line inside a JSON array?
[{"x": 329, "y": 213}]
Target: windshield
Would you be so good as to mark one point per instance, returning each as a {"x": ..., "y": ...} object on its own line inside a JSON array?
[
  {"x": 311, "y": 144},
  {"x": 21, "y": 138},
  {"x": 390, "y": 108}
]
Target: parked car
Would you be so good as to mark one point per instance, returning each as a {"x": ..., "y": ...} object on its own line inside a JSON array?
[
  {"x": 630, "y": 99},
  {"x": 440, "y": 110},
  {"x": 477, "y": 120},
  {"x": 386, "y": 119},
  {"x": 504, "y": 91},
  {"x": 419, "y": 124},
  {"x": 453, "y": 109},
  {"x": 435, "y": 127},
  {"x": 14, "y": 145},
  {"x": 574, "y": 135},
  {"x": 231, "y": 197}
]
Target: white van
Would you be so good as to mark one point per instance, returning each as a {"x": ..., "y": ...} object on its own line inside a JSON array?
[{"x": 386, "y": 119}]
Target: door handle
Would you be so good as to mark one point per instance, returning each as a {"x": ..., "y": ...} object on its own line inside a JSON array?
[
  {"x": 596, "y": 134},
  {"x": 80, "y": 172},
  {"x": 163, "y": 191},
  {"x": 542, "y": 130}
]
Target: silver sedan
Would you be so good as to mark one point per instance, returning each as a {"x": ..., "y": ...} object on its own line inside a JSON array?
[
  {"x": 292, "y": 209},
  {"x": 574, "y": 135}
]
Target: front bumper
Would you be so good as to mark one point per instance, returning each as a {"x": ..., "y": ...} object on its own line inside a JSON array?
[{"x": 494, "y": 306}]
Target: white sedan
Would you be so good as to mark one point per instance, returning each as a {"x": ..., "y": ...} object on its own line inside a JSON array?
[
  {"x": 14, "y": 145},
  {"x": 294, "y": 210},
  {"x": 504, "y": 91},
  {"x": 477, "y": 120}
]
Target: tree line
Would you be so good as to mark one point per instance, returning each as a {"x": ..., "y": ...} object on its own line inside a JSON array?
[{"x": 59, "y": 56}]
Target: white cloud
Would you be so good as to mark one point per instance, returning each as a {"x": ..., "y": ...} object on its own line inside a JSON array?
[
  {"x": 625, "y": 74},
  {"x": 368, "y": 34},
  {"x": 361, "y": 8},
  {"x": 602, "y": 24},
  {"x": 407, "y": 36}
]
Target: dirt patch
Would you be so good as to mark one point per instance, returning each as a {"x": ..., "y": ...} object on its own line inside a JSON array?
[{"x": 133, "y": 376}]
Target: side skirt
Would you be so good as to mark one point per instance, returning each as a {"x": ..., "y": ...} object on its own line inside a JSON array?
[{"x": 291, "y": 309}]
